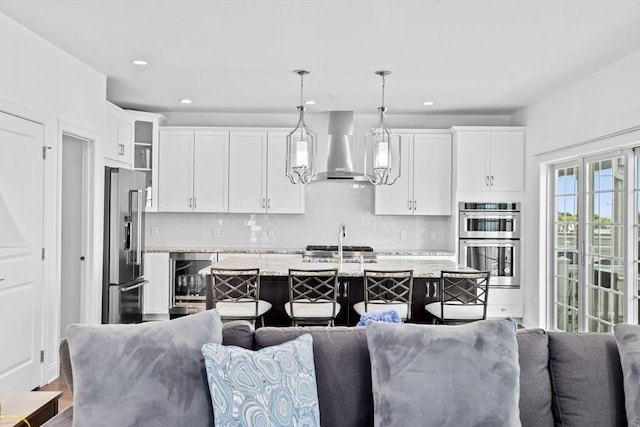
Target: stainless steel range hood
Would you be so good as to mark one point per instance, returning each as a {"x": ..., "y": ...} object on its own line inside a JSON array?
[{"x": 340, "y": 148}]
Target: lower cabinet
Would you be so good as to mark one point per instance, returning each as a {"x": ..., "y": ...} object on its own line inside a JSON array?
[
  {"x": 505, "y": 303},
  {"x": 156, "y": 292}
]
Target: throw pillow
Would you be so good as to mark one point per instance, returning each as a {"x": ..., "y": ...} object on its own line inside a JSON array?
[
  {"x": 628, "y": 339},
  {"x": 273, "y": 386},
  {"x": 146, "y": 374},
  {"x": 389, "y": 316},
  {"x": 433, "y": 375}
]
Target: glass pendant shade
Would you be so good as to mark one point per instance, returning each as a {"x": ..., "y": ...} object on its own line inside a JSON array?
[
  {"x": 301, "y": 152},
  {"x": 382, "y": 149},
  {"x": 301, "y": 146}
]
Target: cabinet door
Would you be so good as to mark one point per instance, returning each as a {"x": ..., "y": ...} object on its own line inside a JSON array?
[
  {"x": 397, "y": 199},
  {"x": 247, "y": 178},
  {"x": 432, "y": 174},
  {"x": 507, "y": 160},
  {"x": 156, "y": 292},
  {"x": 175, "y": 171},
  {"x": 282, "y": 195},
  {"x": 473, "y": 160},
  {"x": 210, "y": 172},
  {"x": 125, "y": 140}
]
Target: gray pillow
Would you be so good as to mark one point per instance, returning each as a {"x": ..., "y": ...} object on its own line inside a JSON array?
[
  {"x": 147, "y": 374},
  {"x": 434, "y": 375},
  {"x": 628, "y": 339}
]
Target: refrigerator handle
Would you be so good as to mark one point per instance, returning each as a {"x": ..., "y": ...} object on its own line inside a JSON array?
[
  {"x": 139, "y": 226},
  {"x": 134, "y": 253}
]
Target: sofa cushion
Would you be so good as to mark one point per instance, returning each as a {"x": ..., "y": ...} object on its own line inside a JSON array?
[
  {"x": 343, "y": 372},
  {"x": 146, "y": 374},
  {"x": 272, "y": 386},
  {"x": 535, "y": 382},
  {"x": 239, "y": 333},
  {"x": 433, "y": 375},
  {"x": 586, "y": 377},
  {"x": 628, "y": 339}
]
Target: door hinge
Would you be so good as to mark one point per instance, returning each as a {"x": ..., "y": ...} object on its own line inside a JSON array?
[
  {"x": 41, "y": 356},
  {"x": 44, "y": 151},
  {"x": 42, "y": 253}
]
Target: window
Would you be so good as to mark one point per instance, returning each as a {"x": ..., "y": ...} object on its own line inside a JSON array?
[{"x": 591, "y": 229}]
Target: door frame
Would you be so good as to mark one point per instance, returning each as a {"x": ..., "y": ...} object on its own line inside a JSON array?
[{"x": 91, "y": 296}]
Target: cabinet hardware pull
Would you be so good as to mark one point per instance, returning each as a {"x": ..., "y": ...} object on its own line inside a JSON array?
[
  {"x": 410, "y": 204},
  {"x": 190, "y": 202},
  {"x": 486, "y": 180},
  {"x": 264, "y": 203},
  {"x": 269, "y": 203},
  {"x": 345, "y": 288},
  {"x": 415, "y": 205},
  {"x": 492, "y": 180},
  {"x": 121, "y": 149},
  {"x": 195, "y": 202}
]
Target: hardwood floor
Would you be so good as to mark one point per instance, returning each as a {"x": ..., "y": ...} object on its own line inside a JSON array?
[{"x": 59, "y": 384}]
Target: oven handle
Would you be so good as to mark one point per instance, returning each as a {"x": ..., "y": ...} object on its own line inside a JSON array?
[
  {"x": 506, "y": 243},
  {"x": 172, "y": 282},
  {"x": 132, "y": 287},
  {"x": 485, "y": 216}
]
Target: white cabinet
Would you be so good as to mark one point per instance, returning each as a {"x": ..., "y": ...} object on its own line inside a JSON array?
[
  {"x": 505, "y": 303},
  {"x": 118, "y": 144},
  {"x": 145, "y": 152},
  {"x": 257, "y": 180},
  {"x": 192, "y": 170},
  {"x": 490, "y": 159},
  {"x": 424, "y": 186},
  {"x": 156, "y": 292}
]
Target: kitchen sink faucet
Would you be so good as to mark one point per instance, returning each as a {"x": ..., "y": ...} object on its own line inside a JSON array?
[{"x": 342, "y": 233}]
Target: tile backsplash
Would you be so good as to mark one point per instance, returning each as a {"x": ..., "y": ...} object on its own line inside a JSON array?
[{"x": 327, "y": 204}]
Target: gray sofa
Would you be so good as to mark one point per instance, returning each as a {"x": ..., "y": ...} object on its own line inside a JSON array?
[{"x": 566, "y": 379}]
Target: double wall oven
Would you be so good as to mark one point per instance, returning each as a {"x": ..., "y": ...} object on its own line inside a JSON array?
[{"x": 490, "y": 240}]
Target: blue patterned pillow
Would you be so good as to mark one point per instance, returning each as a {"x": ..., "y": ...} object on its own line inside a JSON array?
[{"x": 272, "y": 386}]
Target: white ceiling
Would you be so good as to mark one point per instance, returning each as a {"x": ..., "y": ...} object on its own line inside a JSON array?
[{"x": 470, "y": 57}]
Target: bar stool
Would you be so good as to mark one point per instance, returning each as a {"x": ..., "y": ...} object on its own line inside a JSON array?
[
  {"x": 463, "y": 297},
  {"x": 235, "y": 294},
  {"x": 313, "y": 296},
  {"x": 387, "y": 290}
]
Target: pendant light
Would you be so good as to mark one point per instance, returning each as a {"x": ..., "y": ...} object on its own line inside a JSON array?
[
  {"x": 301, "y": 145},
  {"x": 382, "y": 148}
]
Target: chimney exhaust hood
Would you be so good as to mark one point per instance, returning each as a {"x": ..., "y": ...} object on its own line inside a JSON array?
[{"x": 340, "y": 149}]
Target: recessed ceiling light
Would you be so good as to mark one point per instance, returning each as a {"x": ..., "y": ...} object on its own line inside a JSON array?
[
  {"x": 310, "y": 102},
  {"x": 186, "y": 101},
  {"x": 428, "y": 103},
  {"x": 140, "y": 62}
]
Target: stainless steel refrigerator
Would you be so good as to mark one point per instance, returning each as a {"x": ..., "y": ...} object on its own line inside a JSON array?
[{"x": 123, "y": 279}]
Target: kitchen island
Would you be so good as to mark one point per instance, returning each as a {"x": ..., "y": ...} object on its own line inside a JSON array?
[{"x": 274, "y": 286}]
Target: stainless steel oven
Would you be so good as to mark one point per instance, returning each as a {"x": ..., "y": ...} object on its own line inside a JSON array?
[
  {"x": 490, "y": 240},
  {"x": 489, "y": 220},
  {"x": 499, "y": 256},
  {"x": 188, "y": 287}
]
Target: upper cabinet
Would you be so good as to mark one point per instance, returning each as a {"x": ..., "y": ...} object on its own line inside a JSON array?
[
  {"x": 424, "y": 186},
  {"x": 193, "y": 170},
  {"x": 489, "y": 159},
  {"x": 257, "y": 180},
  {"x": 145, "y": 152},
  {"x": 118, "y": 144}
]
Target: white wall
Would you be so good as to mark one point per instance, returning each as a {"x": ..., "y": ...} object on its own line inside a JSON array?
[
  {"x": 600, "y": 104},
  {"x": 42, "y": 82}
]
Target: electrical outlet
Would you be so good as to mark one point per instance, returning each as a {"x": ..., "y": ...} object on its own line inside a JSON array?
[
  {"x": 270, "y": 233},
  {"x": 216, "y": 232},
  {"x": 403, "y": 234},
  {"x": 154, "y": 231},
  {"x": 433, "y": 235}
]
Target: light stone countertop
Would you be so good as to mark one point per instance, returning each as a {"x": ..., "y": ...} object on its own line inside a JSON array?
[
  {"x": 280, "y": 266},
  {"x": 294, "y": 251}
]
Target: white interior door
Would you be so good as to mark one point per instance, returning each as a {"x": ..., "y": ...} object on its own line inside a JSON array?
[
  {"x": 21, "y": 240},
  {"x": 72, "y": 228}
]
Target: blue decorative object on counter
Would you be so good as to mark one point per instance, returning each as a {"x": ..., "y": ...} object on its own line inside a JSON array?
[{"x": 389, "y": 316}]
